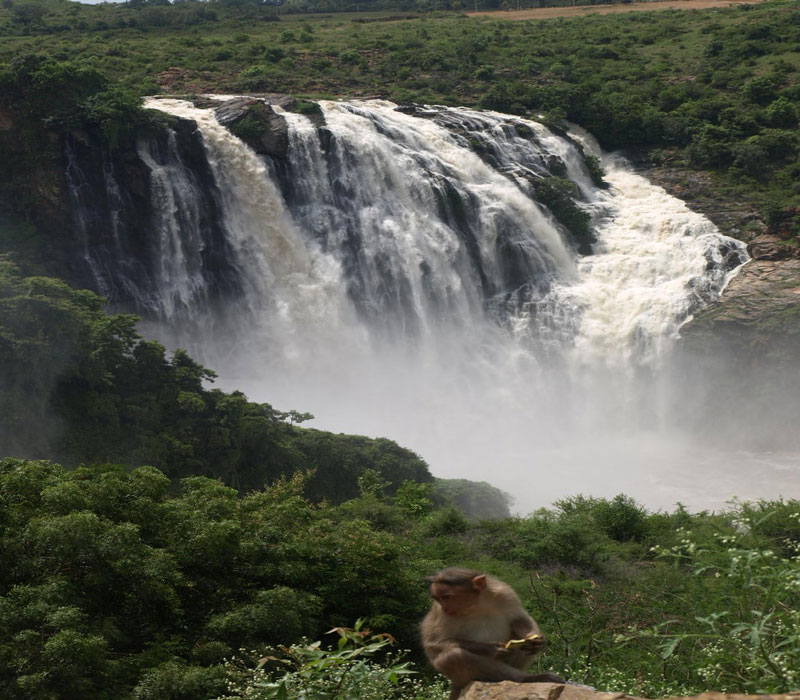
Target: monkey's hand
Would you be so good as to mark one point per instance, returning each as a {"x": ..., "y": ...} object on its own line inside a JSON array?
[
  {"x": 532, "y": 644},
  {"x": 501, "y": 651}
]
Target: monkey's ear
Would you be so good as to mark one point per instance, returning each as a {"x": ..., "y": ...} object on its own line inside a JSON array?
[{"x": 479, "y": 582}]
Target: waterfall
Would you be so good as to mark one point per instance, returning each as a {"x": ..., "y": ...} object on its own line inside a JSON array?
[
  {"x": 177, "y": 272},
  {"x": 400, "y": 274}
]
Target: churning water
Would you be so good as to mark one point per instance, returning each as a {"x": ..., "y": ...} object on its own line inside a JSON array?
[{"x": 399, "y": 278}]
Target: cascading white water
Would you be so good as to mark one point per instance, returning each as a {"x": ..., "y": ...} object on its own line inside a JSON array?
[
  {"x": 294, "y": 299},
  {"x": 173, "y": 191},
  {"x": 400, "y": 280},
  {"x": 655, "y": 261}
]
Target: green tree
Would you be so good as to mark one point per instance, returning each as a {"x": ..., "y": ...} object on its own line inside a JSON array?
[
  {"x": 414, "y": 498},
  {"x": 782, "y": 113}
]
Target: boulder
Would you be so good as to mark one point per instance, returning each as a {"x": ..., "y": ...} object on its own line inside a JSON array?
[
  {"x": 507, "y": 690},
  {"x": 257, "y": 124}
]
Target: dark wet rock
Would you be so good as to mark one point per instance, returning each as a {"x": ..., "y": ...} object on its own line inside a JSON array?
[
  {"x": 257, "y": 124},
  {"x": 106, "y": 202}
]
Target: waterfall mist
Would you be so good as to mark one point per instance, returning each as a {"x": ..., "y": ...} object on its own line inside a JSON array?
[{"x": 398, "y": 278}]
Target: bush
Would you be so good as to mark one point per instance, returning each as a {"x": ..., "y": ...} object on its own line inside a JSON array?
[
  {"x": 176, "y": 681},
  {"x": 356, "y": 669},
  {"x": 558, "y": 195},
  {"x": 747, "y": 640},
  {"x": 710, "y": 148},
  {"x": 782, "y": 114}
]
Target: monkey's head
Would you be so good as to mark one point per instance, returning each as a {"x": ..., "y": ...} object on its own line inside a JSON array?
[{"x": 458, "y": 591}]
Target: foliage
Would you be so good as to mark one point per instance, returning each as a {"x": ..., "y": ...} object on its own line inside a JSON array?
[
  {"x": 559, "y": 194},
  {"x": 78, "y": 385},
  {"x": 413, "y": 498},
  {"x": 66, "y": 95},
  {"x": 119, "y": 583},
  {"x": 478, "y": 500},
  {"x": 353, "y": 670},
  {"x": 338, "y": 462},
  {"x": 748, "y": 631},
  {"x": 112, "y": 581}
]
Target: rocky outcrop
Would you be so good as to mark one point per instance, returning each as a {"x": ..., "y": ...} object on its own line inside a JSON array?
[
  {"x": 550, "y": 691},
  {"x": 757, "y": 317},
  {"x": 118, "y": 242},
  {"x": 771, "y": 247},
  {"x": 506, "y": 690},
  {"x": 739, "y": 361},
  {"x": 257, "y": 124}
]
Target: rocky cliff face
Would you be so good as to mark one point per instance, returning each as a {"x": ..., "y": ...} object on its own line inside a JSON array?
[
  {"x": 549, "y": 691},
  {"x": 739, "y": 358},
  {"x": 100, "y": 210},
  {"x": 758, "y": 317},
  {"x": 119, "y": 243}
]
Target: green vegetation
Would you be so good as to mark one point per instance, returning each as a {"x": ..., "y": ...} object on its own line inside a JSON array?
[
  {"x": 79, "y": 386},
  {"x": 479, "y": 500},
  {"x": 120, "y": 583},
  {"x": 348, "y": 671}
]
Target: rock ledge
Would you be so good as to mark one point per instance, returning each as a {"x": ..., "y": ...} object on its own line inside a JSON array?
[{"x": 551, "y": 691}]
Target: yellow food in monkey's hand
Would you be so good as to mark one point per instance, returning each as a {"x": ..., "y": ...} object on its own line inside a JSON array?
[{"x": 516, "y": 643}]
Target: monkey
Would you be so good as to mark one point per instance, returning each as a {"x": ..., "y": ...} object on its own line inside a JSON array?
[{"x": 465, "y": 633}]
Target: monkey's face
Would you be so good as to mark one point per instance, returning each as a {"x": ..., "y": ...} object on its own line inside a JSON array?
[{"x": 455, "y": 600}]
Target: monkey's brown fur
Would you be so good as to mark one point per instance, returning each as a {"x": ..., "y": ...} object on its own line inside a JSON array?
[{"x": 470, "y": 620}]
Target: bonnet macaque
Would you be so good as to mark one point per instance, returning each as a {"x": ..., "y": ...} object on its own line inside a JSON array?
[{"x": 477, "y": 630}]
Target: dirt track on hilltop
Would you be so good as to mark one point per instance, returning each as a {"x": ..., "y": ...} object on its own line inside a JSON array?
[{"x": 550, "y": 12}]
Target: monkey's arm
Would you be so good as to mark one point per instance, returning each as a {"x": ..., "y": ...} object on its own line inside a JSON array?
[
  {"x": 523, "y": 625},
  {"x": 491, "y": 649}
]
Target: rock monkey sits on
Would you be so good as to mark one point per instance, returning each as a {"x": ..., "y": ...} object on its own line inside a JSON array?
[{"x": 477, "y": 630}]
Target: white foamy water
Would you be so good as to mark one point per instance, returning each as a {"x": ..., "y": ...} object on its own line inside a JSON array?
[{"x": 399, "y": 279}]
